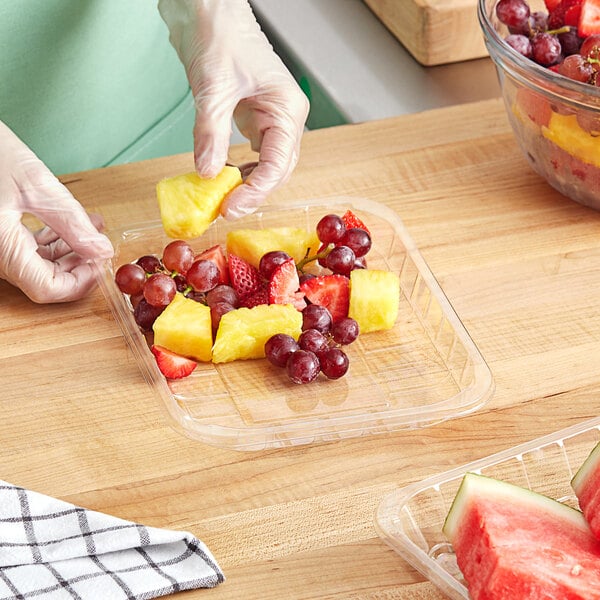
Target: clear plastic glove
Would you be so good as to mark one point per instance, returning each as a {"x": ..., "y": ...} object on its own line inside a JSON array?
[
  {"x": 234, "y": 73},
  {"x": 51, "y": 265}
]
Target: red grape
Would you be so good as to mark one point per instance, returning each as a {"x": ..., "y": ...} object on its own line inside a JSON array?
[
  {"x": 178, "y": 256},
  {"x": 334, "y": 363},
  {"x": 545, "y": 49},
  {"x": 318, "y": 317},
  {"x": 150, "y": 263},
  {"x": 279, "y": 347},
  {"x": 270, "y": 261},
  {"x": 180, "y": 283},
  {"x": 330, "y": 229},
  {"x": 130, "y": 278},
  {"x": 159, "y": 289},
  {"x": 520, "y": 43},
  {"x": 576, "y": 67},
  {"x": 203, "y": 275},
  {"x": 313, "y": 340},
  {"x": 303, "y": 366},
  {"x": 340, "y": 260},
  {"x": 513, "y": 13},
  {"x": 222, "y": 293},
  {"x": 217, "y": 310},
  {"x": 590, "y": 47},
  {"x": 145, "y": 314},
  {"x": 345, "y": 331},
  {"x": 358, "y": 240}
]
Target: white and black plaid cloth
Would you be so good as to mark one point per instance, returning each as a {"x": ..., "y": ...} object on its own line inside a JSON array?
[{"x": 52, "y": 549}]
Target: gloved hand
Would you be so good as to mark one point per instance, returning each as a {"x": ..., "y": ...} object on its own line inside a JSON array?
[
  {"x": 50, "y": 265},
  {"x": 234, "y": 72}
]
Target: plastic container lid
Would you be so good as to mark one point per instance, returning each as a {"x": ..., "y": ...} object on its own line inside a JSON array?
[{"x": 425, "y": 370}]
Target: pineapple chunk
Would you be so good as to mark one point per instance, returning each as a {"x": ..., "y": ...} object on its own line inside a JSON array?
[
  {"x": 189, "y": 204},
  {"x": 565, "y": 132},
  {"x": 184, "y": 327},
  {"x": 251, "y": 244},
  {"x": 242, "y": 333},
  {"x": 374, "y": 299}
]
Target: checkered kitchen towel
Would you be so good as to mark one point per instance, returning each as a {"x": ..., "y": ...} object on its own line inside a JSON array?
[{"x": 50, "y": 549}]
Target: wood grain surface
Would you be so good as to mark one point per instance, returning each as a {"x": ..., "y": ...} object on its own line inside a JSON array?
[
  {"x": 435, "y": 32},
  {"x": 520, "y": 264}
]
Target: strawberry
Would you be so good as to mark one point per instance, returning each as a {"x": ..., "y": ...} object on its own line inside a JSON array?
[
  {"x": 171, "y": 365},
  {"x": 551, "y": 4},
  {"x": 589, "y": 18},
  {"x": 351, "y": 220},
  {"x": 217, "y": 255},
  {"x": 284, "y": 284},
  {"x": 330, "y": 291},
  {"x": 244, "y": 277},
  {"x": 258, "y": 296},
  {"x": 572, "y": 15},
  {"x": 557, "y": 17}
]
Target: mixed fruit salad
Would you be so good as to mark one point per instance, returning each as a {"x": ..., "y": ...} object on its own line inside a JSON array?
[
  {"x": 292, "y": 296},
  {"x": 558, "y": 132}
]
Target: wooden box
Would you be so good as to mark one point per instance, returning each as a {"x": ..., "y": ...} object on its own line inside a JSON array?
[{"x": 435, "y": 32}]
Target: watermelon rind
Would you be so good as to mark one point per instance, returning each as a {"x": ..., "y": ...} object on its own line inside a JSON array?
[
  {"x": 589, "y": 465},
  {"x": 474, "y": 485}
]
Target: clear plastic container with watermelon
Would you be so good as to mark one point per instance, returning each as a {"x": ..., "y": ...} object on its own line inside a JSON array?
[
  {"x": 411, "y": 520},
  {"x": 422, "y": 371}
]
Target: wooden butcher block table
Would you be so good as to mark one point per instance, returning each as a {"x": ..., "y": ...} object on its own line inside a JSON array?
[{"x": 518, "y": 262}]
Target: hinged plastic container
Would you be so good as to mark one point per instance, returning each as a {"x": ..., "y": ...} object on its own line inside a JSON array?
[
  {"x": 423, "y": 371},
  {"x": 410, "y": 520}
]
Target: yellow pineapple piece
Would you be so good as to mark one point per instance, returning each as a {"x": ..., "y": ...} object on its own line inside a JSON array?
[
  {"x": 374, "y": 299},
  {"x": 184, "y": 327},
  {"x": 251, "y": 244},
  {"x": 189, "y": 204},
  {"x": 565, "y": 132},
  {"x": 242, "y": 333}
]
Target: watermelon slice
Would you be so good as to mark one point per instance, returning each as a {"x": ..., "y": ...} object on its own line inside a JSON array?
[
  {"x": 513, "y": 543},
  {"x": 589, "y": 18},
  {"x": 586, "y": 485}
]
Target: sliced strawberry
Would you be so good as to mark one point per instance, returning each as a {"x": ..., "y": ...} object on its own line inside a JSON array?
[
  {"x": 572, "y": 15},
  {"x": 331, "y": 291},
  {"x": 284, "y": 285},
  {"x": 589, "y": 18},
  {"x": 171, "y": 365},
  {"x": 558, "y": 15},
  {"x": 244, "y": 277},
  {"x": 351, "y": 220},
  {"x": 258, "y": 296},
  {"x": 217, "y": 255},
  {"x": 551, "y": 4}
]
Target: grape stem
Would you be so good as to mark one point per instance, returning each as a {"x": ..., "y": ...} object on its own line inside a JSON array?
[
  {"x": 563, "y": 29},
  {"x": 308, "y": 258}
]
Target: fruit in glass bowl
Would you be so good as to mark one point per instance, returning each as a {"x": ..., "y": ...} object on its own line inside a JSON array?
[{"x": 547, "y": 57}]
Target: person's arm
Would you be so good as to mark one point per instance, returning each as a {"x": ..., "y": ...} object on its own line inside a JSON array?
[
  {"x": 234, "y": 73},
  {"x": 51, "y": 265}
]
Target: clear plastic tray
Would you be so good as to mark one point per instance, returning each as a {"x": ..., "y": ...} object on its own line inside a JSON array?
[
  {"x": 423, "y": 371},
  {"x": 410, "y": 520}
]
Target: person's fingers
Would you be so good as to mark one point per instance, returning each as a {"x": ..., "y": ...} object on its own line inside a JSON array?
[
  {"x": 51, "y": 202},
  {"x": 278, "y": 158},
  {"x": 48, "y": 283}
]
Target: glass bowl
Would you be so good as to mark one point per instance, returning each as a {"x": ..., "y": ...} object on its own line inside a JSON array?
[{"x": 556, "y": 120}]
